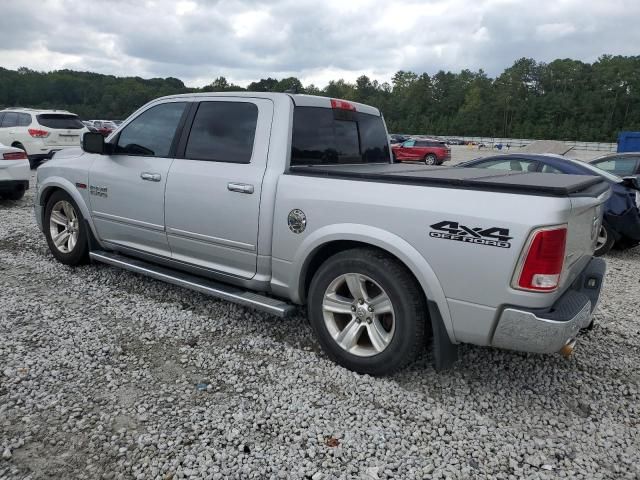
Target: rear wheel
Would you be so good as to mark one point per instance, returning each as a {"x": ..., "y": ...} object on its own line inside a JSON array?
[
  {"x": 367, "y": 311},
  {"x": 605, "y": 240},
  {"x": 430, "y": 159},
  {"x": 65, "y": 230}
]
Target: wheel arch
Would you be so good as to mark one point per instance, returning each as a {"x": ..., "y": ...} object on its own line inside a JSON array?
[
  {"x": 50, "y": 186},
  {"x": 328, "y": 241}
]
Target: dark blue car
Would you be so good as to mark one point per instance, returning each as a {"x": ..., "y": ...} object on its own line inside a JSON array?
[{"x": 621, "y": 222}]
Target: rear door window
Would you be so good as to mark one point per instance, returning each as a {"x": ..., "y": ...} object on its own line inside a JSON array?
[
  {"x": 10, "y": 120},
  {"x": 60, "y": 121},
  {"x": 152, "y": 132},
  {"x": 620, "y": 166},
  {"x": 223, "y": 132},
  {"x": 328, "y": 136},
  {"x": 24, "y": 119}
]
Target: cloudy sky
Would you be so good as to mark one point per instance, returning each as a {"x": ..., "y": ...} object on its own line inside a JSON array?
[{"x": 245, "y": 40}]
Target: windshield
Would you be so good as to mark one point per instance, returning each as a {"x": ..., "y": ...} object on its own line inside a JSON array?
[
  {"x": 329, "y": 136},
  {"x": 609, "y": 176}
]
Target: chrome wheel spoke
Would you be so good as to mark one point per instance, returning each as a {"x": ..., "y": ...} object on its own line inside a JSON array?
[
  {"x": 72, "y": 242},
  {"x": 336, "y": 304},
  {"x": 381, "y": 304},
  {"x": 349, "y": 336},
  {"x": 58, "y": 218},
  {"x": 355, "y": 284},
  {"x": 60, "y": 239},
  {"x": 379, "y": 337}
]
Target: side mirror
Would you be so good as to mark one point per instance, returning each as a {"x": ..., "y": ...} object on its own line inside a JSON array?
[
  {"x": 632, "y": 181},
  {"x": 93, "y": 142}
]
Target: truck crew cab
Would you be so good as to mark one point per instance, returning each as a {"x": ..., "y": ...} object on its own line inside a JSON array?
[{"x": 273, "y": 200}]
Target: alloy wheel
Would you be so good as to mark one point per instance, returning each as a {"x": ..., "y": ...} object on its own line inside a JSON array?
[
  {"x": 358, "y": 314},
  {"x": 64, "y": 226}
]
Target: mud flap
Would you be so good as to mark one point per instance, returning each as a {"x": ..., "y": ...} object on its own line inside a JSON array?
[
  {"x": 92, "y": 243},
  {"x": 445, "y": 353}
]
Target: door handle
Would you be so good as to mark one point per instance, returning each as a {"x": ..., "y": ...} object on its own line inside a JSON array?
[
  {"x": 150, "y": 177},
  {"x": 240, "y": 187}
]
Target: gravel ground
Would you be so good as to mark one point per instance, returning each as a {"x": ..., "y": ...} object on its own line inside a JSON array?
[{"x": 105, "y": 374}]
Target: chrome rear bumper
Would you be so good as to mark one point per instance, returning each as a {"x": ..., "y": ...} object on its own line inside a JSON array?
[{"x": 548, "y": 330}]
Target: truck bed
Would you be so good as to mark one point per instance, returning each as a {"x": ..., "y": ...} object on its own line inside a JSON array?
[{"x": 525, "y": 183}]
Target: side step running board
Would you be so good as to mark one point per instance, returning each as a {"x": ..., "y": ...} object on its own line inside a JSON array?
[{"x": 192, "y": 282}]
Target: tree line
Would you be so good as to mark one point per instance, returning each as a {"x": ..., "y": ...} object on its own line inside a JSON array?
[{"x": 564, "y": 99}]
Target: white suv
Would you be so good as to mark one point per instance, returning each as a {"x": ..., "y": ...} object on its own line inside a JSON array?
[{"x": 40, "y": 133}]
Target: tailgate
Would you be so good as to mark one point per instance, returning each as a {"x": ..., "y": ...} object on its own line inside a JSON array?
[
  {"x": 583, "y": 227},
  {"x": 63, "y": 138}
]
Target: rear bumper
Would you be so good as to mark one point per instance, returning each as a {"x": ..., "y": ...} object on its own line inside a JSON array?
[{"x": 548, "y": 330}]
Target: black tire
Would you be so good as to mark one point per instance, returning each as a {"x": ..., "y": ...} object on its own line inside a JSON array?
[
  {"x": 625, "y": 244},
  {"x": 430, "y": 159},
  {"x": 79, "y": 254},
  {"x": 608, "y": 243},
  {"x": 407, "y": 299},
  {"x": 15, "y": 195}
]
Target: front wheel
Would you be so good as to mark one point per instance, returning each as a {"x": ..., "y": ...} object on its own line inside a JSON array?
[
  {"x": 605, "y": 241},
  {"x": 367, "y": 311},
  {"x": 65, "y": 230},
  {"x": 430, "y": 159}
]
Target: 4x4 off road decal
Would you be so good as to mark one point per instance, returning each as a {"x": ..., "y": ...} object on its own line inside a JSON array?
[{"x": 492, "y": 236}]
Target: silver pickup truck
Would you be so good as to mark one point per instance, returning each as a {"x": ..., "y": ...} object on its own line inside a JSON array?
[{"x": 272, "y": 200}]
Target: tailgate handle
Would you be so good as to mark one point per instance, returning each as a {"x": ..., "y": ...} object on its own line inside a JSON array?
[
  {"x": 150, "y": 177},
  {"x": 240, "y": 187}
]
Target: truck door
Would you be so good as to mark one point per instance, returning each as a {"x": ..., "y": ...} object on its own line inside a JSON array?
[
  {"x": 127, "y": 187},
  {"x": 212, "y": 199}
]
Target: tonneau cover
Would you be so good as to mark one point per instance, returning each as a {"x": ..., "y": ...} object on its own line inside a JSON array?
[{"x": 547, "y": 184}]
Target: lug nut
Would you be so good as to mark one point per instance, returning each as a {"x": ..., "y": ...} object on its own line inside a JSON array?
[
  {"x": 353, "y": 308},
  {"x": 361, "y": 301},
  {"x": 369, "y": 320},
  {"x": 370, "y": 309}
]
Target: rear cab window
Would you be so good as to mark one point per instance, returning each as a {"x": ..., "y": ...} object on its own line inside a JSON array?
[
  {"x": 60, "y": 121},
  {"x": 324, "y": 136}
]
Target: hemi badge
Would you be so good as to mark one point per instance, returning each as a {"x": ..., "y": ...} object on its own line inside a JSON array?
[{"x": 81, "y": 185}]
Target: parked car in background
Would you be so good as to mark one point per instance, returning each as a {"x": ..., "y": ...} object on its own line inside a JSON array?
[
  {"x": 40, "y": 133},
  {"x": 89, "y": 125},
  {"x": 621, "y": 222},
  {"x": 117, "y": 122},
  {"x": 455, "y": 141},
  {"x": 14, "y": 172},
  {"x": 105, "y": 127},
  {"x": 429, "y": 151},
  {"x": 395, "y": 138},
  {"x": 621, "y": 164}
]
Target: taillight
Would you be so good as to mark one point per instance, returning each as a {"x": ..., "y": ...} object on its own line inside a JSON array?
[
  {"x": 14, "y": 156},
  {"x": 36, "y": 133},
  {"x": 342, "y": 105},
  {"x": 544, "y": 259}
]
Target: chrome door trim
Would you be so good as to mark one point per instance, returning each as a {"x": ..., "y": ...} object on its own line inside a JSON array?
[
  {"x": 208, "y": 239},
  {"x": 129, "y": 221}
]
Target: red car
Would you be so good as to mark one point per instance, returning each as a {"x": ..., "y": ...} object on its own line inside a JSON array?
[{"x": 431, "y": 152}]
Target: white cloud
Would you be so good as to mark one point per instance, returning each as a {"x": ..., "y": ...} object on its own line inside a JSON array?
[{"x": 245, "y": 40}]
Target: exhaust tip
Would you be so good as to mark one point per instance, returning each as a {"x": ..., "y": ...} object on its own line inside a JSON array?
[{"x": 568, "y": 349}]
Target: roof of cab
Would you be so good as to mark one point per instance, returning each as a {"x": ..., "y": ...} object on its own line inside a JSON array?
[{"x": 298, "y": 99}]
